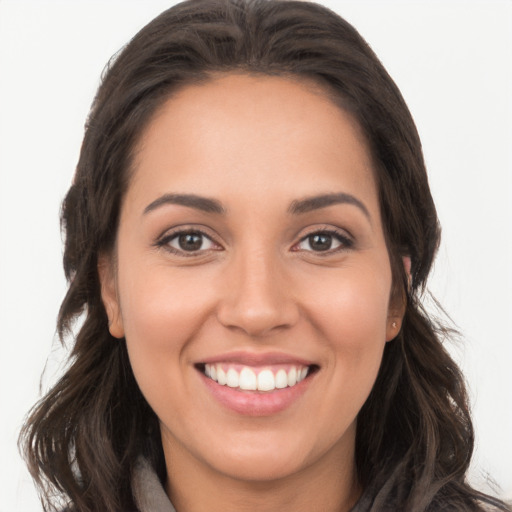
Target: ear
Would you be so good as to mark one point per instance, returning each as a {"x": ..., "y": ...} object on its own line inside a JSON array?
[
  {"x": 109, "y": 295},
  {"x": 397, "y": 308}
]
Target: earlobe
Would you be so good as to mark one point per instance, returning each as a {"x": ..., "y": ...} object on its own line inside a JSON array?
[
  {"x": 396, "y": 313},
  {"x": 109, "y": 296},
  {"x": 393, "y": 327}
]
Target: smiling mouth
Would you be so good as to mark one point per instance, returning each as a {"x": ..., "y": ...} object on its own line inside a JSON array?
[{"x": 262, "y": 379}]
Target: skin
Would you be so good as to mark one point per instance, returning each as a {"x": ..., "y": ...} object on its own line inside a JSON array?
[{"x": 256, "y": 144}]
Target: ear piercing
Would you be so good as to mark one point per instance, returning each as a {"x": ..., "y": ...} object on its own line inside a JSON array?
[{"x": 393, "y": 325}]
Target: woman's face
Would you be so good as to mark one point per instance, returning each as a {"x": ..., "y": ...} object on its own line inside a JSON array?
[{"x": 252, "y": 280}]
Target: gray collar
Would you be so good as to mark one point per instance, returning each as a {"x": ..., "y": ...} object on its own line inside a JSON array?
[
  {"x": 147, "y": 489},
  {"x": 150, "y": 495}
]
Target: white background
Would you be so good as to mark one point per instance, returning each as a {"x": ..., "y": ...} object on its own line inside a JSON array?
[{"x": 451, "y": 59}]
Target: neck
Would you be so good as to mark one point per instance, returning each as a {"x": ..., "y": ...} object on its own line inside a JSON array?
[{"x": 327, "y": 485}]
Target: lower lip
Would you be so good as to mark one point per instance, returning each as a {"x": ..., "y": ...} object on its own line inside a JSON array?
[{"x": 254, "y": 403}]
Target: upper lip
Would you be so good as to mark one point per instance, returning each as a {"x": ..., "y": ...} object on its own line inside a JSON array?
[{"x": 257, "y": 359}]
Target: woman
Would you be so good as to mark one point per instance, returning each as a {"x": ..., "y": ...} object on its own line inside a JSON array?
[{"x": 251, "y": 342}]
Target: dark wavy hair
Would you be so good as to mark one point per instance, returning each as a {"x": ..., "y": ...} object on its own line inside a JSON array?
[{"x": 414, "y": 433}]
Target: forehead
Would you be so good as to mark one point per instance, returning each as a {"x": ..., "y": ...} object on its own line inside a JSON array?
[{"x": 240, "y": 132}]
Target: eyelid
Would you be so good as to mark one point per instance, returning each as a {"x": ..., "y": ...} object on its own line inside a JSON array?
[
  {"x": 342, "y": 235},
  {"x": 162, "y": 242}
]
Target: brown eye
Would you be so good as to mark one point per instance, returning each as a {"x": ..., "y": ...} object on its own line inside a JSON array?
[
  {"x": 190, "y": 241},
  {"x": 324, "y": 241},
  {"x": 320, "y": 241}
]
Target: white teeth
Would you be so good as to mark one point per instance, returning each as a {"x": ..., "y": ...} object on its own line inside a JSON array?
[
  {"x": 301, "y": 374},
  {"x": 292, "y": 377},
  {"x": 266, "y": 381},
  {"x": 232, "y": 378},
  {"x": 221, "y": 376},
  {"x": 247, "y": 379},
  {"x": 281, "y": 379}
]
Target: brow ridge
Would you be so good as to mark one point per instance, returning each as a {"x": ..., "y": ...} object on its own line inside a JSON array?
[
  {"x": 308, "y": 204},
  {"x": 205, "y": 204}
]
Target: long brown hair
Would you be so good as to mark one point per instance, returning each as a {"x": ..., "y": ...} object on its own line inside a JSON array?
[{"x": 414, "y": 433}]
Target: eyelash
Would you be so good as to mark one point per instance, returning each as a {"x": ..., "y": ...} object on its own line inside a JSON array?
[
  {"x": 346, "y": 243},
  {"x": 164, "y": 242}
]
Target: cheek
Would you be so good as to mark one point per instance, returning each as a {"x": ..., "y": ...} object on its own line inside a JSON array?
[
  {"x": 352, "y": 307},
  {"x": 350, "y": 313},
  {"x": 162, "y": 306},
  {"x": 161, "y": 314}
]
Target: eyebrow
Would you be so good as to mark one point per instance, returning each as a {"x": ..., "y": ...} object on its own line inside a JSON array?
[
  {"x": 323, "y": 201},
  {"x": 191, "y": 200},
  {"x": 296, "y": 207}
]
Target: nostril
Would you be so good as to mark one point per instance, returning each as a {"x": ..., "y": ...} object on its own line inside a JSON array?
[
  {"x": 257, "y": 319},
  {"x": 258, "y": 299}
]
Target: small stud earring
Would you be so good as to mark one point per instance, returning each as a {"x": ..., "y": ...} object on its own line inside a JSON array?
[{"x": 393, "y": 325}]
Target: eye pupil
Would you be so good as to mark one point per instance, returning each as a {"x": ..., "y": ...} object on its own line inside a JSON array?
[
  {"x": 190, "y": 241},
  {"x": 320, "y": 242}
]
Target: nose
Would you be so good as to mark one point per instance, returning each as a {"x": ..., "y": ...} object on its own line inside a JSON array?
[{"x": 257, "y": 297}]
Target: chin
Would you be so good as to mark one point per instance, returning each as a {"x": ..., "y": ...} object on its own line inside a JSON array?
[{"x": 260, "y": 467}]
